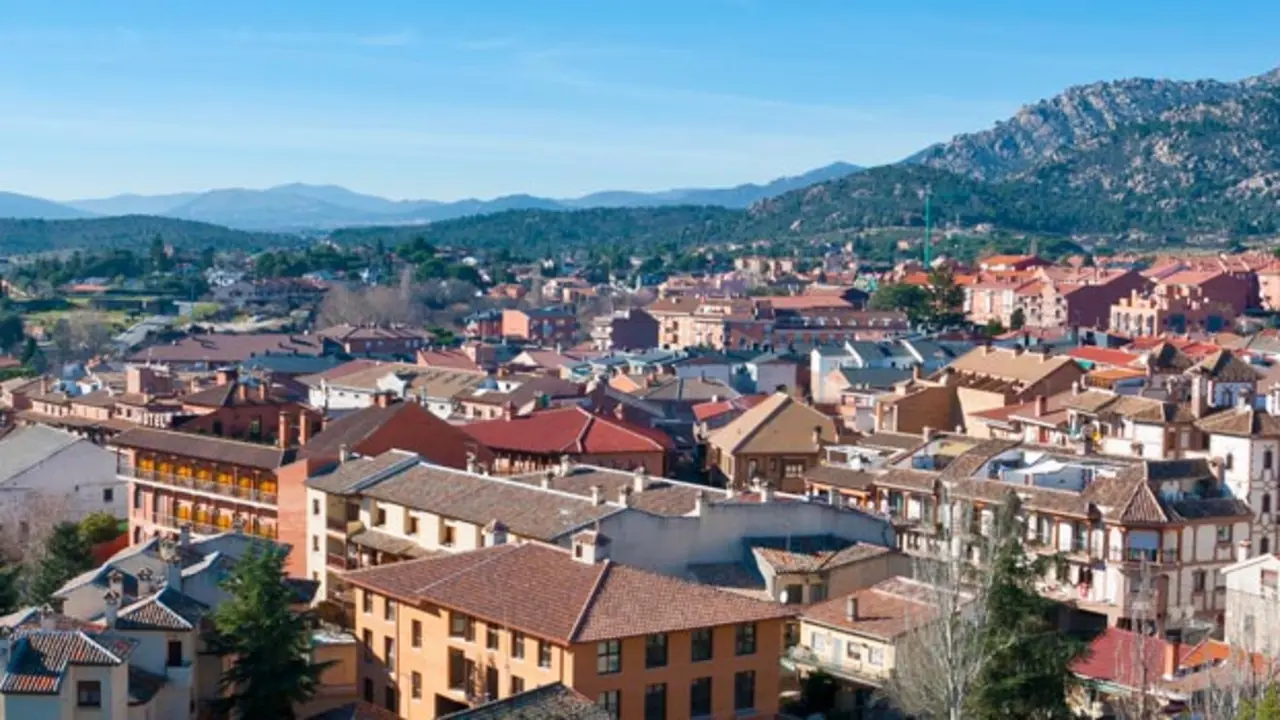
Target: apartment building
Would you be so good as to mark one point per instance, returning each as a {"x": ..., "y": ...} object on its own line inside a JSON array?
[
  {"x": 541, "y": 326},
  {"x": 437, "y": 389},
  {"x": 687, "y": 321},
  {"x": 377, "y": 339},
  {"x": 370, "y": 511},
  {"x": 442, "y": 634},
  {"x": 1205, "y": 301},
  {"x": 545, "y": 438},
  {"x": 209, "y": 483},
  {"x": 56, "y": 470},
  {"x": 1145, "y": 541},
  {"x": 632, "y": 329},
  {"x": 776, "y": 441},
  {"x": 1253, "y": 604},
  {"x": 205, "y": 352}
]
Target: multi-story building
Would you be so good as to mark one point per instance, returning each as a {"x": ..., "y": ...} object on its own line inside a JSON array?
[
  {"x": 543, "y": 439},
  {"x": 442, "y": 634},
  {"x": 437, "y": 389},
  {"x": 205, "y": 352},
  {"x": 1253, "y": 604},
  {"x": 542, "y": 326},
  {"x": 377, "y": 339},
  {"x": 177, "y": 479},
  {"x": 632, "y": 329},
  {"x": 1204, "y": 301},
  {"x": 483, "y": 325}
]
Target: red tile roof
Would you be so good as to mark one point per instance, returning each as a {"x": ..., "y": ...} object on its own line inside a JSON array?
[
  {"x": 1119, "y": 656},
  {"x": 707, "y": 410},
  {"x": 570, "y": 430},
  {"x": 218, "y": 349},
  {"x": 39, "y": 659},
  {"x": 1104, "y": 356},
  {"x": 545, "y": 592}
]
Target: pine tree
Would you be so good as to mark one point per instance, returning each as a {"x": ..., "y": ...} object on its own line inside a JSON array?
[
  {"x": 65, "y": 555},
  {"x": 1266, "y": 707},
  {"x": 269, "y": 641},
  {"x": 1028, "y": 674}
]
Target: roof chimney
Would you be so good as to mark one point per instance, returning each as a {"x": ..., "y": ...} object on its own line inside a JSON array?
[
  {"x": 766, "y": 491},
  {"x": 1042, "y": 406},
  {"x": 1172, "y": 649},
  {"x": 926, "y": 433},
  {"x": 115, "y": 582},
  {"x": 641, "y": 482},
  {"x": 382, "y": 399},
  {"x": 1242, "y": 550},
  {"x": 597, "y": 494},
  {"x": 110, "y": 603},
  {"x": 495, "y": 533},
  {"x": 590, "y": 547},
  {"x": 508, "y": 410},
  {"x": 624, "y": 495},
  {"x": 146, "y": 581},
  {"x": 282, "y": 434},
  {"x": 304, "y": 428},
  {"x": 242, "y": 392},
  {"x": 851, "y": 608},
  {"x": 48, "y": 617},
  {"x": 817, "y": 436},
  {"x": 548, "y": 478},
  {"x": 700, "y": 503},
  {"x": 344, "y": 453},
  {"x": 566, "y": 465},
  {"x": 184, "y": 535},
  {"x": 471, "y": 462}
]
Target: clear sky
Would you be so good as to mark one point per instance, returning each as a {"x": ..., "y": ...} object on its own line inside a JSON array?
[{"x": 458, "y": 98}]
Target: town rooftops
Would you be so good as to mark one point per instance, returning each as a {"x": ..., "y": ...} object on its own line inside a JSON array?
[
  {"x": 572, "y": 430},
  {"x": 347, "y": 332},
  {"x": 548, "y": 702},
  {"x": 222, "y": 349},
  {"x": 549, "y": 594},
  {"x": 1010, "y": 365},
  {"x": 1241, "y": 422},
  {"x": 39, "y": 659},
  {"x": 416, "y": 380},
  {"x": 1223, "y": 366},
  {"x": 357, "y": 430},
  {"x": 810, "y": 553},
  {"x": 205, "y": 447}
]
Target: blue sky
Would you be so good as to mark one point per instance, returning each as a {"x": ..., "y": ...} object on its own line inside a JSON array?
[{"x": 554, "y": 97}]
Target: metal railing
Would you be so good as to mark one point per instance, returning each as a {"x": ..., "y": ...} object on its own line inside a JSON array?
[
  {"x": 1137, "y": 555},
  {"x": 205, "y": 528},
  {"x": 336, "y": 561},
  {"x": 191, "y": 483},
  {"x": 335, "y": 523}
]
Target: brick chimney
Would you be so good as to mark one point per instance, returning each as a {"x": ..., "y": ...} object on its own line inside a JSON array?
[
  {"x": 284, "y": 432},
  {"x": 382, "y": 399},
  {"x": 851, "y": 608},
  {"x": 1042, "y": 405},
  {"x": 242, "y": 392},
  {"x": 304, "y": 428}
]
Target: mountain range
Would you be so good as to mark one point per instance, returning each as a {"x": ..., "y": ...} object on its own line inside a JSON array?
[{"x": 300, "y": 206}]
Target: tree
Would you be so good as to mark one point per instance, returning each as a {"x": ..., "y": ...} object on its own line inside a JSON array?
[
  {"x": 994, "y": 328},
  {"x": 1266, "y": 707},
  {"x": 1028, "y": 673},
  {"x": 11, "y": 331},
  {"x": 946, "y": 299},
  {"x": 1018, "y": 319},
  {"x": 99, "y": 527},
  {"x": 66, "y": 554},
  {"x": 159, "y": 255},
  {"x": 818, "y": 692},
  {"x": 270, "y": 643},
  {"x": 9, "y": 588},
  {"x": 911, "y": 299}
]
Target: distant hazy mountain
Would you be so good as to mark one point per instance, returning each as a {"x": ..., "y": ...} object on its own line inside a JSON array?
[
  {"x": 299, "y": 206},
  {"x": 13, "y": 205},
  {"x": 735, "y": 197},
  {"x": 134, "y": 204}
]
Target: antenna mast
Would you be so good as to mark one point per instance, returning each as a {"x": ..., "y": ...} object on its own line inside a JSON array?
[{"x": 928, "y": 226}]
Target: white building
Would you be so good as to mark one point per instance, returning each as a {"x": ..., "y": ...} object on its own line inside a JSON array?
[
  {"x": 45, "y": 471},
  {"x": 1253, "y": 604}
]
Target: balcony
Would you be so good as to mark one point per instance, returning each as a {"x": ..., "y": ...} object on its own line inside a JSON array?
[
  {"x": 335, "y": 524},
  {"x": 1137, "y": 556},
  {"x": 336, "y": 561},
  {"x": 203, "y": 528},
  {"x": 801, "y": 656},
  {"x": 210, "y": 488}
]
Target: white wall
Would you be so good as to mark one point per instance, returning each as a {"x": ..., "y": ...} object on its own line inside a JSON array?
[{"x": 79, "y": 474}]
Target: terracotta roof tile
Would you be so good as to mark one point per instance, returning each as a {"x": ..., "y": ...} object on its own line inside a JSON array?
[
  {"x": 572, "y": 430},
  {"x": 549, "y": 702},
  {"x": 841, "y": 477},
  {"x": 1243, "y": 422},
  {"x": 780, "y": 424},
  {"x": 205, "y": 447},
  {"x": 885, "y": 610},
  {"x": 38, "y": 659}
]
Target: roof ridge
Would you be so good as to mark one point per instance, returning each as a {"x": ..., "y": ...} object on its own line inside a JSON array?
[
  {"x": 773, "y": 412},
  {"x": 579, "y": 445},
  {"x": 100, "y": 646},
  {"x": 581, "y": 620},
  {"x": 497, "y": 553}
]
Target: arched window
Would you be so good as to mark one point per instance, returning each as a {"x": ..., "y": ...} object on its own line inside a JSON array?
[
  {"x": 1266, "y": 502},
  {"x": 1268, "y": 459},
  {"x": 1264, "y": 547}
]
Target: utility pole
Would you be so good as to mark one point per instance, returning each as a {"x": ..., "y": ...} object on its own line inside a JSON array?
[{"x": 928, "y": 226}]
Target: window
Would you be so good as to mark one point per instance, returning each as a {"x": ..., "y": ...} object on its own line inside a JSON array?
[
  {"x": 389, "y": 610},
  {"x": 89, "y": 693},
  {"x": 1198, "y": 581},
  {"x": 367, "y": 636},
  {"x": 608, "y": 657},
  {"x": 389, "y": 652},
  {"x": 700, "y": 641},
  {"x": 368, "y": 690},
  {"x": 390, "y": 700},
  {"x": 462, "y": 626},
  {"x": 174, "y": 656},
  {"x": 366, "y": 602},
  {"x": 415, "y": 685},
  {"x": 108, "y": 495},
  {"x": 379, "y": 517},
  {"x": 137, "y": 498},
  {"x": 609, "y": 702},
  {"x": 461, "y": 671},
  {"x": 447, "y": 536},
  {"x": 491, "y": 637},
  {"x": 793, "y": 594},
  {"x": 315, "y": 543},
  {"x": 700, "y": 697},
  {"x": 1224, "y": 533},
  {"x": 655, "y": 702},
  {"x": 1230, "y": 461},
  {"x": 744, "y": 690},
  {"x": 1266, "y": 502},
  {"x": 315, "y": 506},
  {"x": 517, "y": 645},
  {"x": 413, "y": 526},
  {"x": 415, "y": 633},
  {"x": 745, "y": 639},
  {"x": 1268, "y": 459},
  {"x": 655, "y": 651},
  {"x": 544, "y": 654},
  {"x": 517, "y": 685},
  {"x": 875, "y": 656},
  {"x": 818, "y": 593}
]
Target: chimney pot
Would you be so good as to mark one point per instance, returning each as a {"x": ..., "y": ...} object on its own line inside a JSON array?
[
  {"x": 597, "y": 494},
  {"x": 344, "y": 453},
  {"x": 111, "y": 603},
  {"x": 851, "y": 608}
]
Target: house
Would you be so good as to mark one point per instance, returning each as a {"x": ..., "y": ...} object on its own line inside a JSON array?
[
  {"x": 377, "y": 339},
  {"x": 45, "y": 471},
  {"x": 1252, "y": 611},
  {"x": 855, "y": 637},
  {"x": 438, "y": 389},
  {"x": 245, "y": 409},
  {"x": 713, "y": 415},
  {"x": 517, "y": 394},
  {"x": 483, "y": 325},
  {"x": 1185, "y": 301},
  {"x": 542, "y": 439},
  {"x": 462, "y": 630},
  {"x": 394, "y": 425},
  {"x": 775, "y": 441}
]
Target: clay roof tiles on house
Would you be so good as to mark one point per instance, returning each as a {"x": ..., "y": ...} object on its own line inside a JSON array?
[
  {"x": 219, "y": 349},
  {"x": 841, "y": 477},
  {"x": 779, "y": 424},
  {"x": 886, "y": 610},
  {"x": 572, "y": 430},
  {"x": 546, "y": 593},
  {"x": 1242, "y": 422},
  {"x": 39, "y": 659},
  {"x": 548, "y": 702}
]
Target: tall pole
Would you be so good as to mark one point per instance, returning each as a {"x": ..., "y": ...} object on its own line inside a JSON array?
[{"x": 928, "y": 226}]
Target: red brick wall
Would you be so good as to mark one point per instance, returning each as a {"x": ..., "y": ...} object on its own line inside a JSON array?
[
  {"x": 292, "y": 512},
  {"x": 415, "y": 429}
]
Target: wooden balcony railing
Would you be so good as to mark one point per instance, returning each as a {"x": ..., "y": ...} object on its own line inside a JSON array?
[{"x": 190, "y": 483}]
